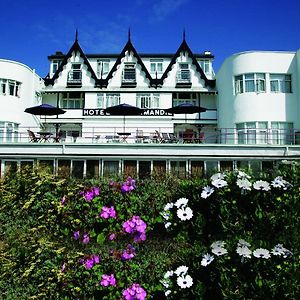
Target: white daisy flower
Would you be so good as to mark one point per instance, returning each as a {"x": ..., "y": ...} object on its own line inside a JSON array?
[
  {"x": 261, "y": 185},
  {"x": 243, "y": 243},
  {"x": 182, "y": 202},
  {"x": 217, "y": 244},
  {"x": 206, "y": 259},
  {"x": 166, "y": 215},
  {"x": 165, "y": 283},
  {"x": 261, "y": 253},
  {"x": 184, "y": 213},
  {"x": 207, "y": 191},
  {"x": 219, "y": 251},
  {"x": 279, "y": 250},
  {"x": 217, "y": 176},
  {"x": 243, "y": 175},
  {"x": 279, "y": 182},
  {"x": 168, "y": 206},
  {"x": 244, "y": 184},
  {"x": 244, "y": 251},
  {"x": 219, "y": 183},
  {"x": 168, "y": 224},
  {"x": 185, "y": 281},
  {"x": 167, "y": 293},
  {"x": 182, "y": 270},
  {"x": 168, "y": 274}
]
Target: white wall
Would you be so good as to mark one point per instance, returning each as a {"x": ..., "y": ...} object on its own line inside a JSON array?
[
  {"x": 265, "y": 106},
  {"x": 12, "y": 107}
]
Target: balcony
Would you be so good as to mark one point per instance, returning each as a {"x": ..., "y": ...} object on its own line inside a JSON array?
[
  {"x": 183, "y": 79},
  {"x": 129, "y": 78},
  {"x": 74, "y": 78}
]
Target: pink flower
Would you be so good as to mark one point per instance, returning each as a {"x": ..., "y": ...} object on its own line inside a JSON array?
[
  {"x": 112, "y": 236},
  {"x": 76, "y": 235},
  {"x": 136, "y": 225},
  {"x": 108, "y": 280},
  {"x": 91, "y": 193},
  {"x": 90, "y": 261},
  {"x": 86, "y": 238},
  {"x": 135, "y": 292},
  {"x": 108, "y": 212},
  {"x": 129, "y": 253},
  {"x": 128, "y": 185}
]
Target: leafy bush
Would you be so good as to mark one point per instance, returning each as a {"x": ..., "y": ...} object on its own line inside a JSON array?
[{"x": 226, "y": 237}]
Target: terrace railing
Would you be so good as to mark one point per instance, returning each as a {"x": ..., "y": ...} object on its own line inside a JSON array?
[{"x": 154, "y": 135}]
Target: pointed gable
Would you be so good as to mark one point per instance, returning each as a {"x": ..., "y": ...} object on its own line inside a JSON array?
[
  {"x": 130, "y": 48},
  {"x": 75, "y": 48},
  {"x": 185, "y": 48}
]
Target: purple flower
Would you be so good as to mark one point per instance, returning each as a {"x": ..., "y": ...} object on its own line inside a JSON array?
[
  {"x": 107, "y": 280},
  {"x": 128, "y": 185},
  {"x": 90, "y": 261},
  {"x": 91, "y": 193},
  {"x": 136, "y": 225},
  {"x": 129, "y": 253},
  {"x": 112, "y": 236},
  {"x": 63, "y": 267},
  {"x": 76, "y": 235},
  {"x": 86, "y": 238},
  {"x": 140, "y": 224},
  {"x": 135, "y": 292},
  {"x": 63, "y": 200},
  {"x": 129, "y": 226},
  {"x": 108, "y": 212},
  {"x": 139, "y": 237}
]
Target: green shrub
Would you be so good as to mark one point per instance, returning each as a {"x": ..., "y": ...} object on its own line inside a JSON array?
[{"x": 55, "y": 244}]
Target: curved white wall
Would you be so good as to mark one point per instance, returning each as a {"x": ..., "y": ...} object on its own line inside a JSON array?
[
  {"x": 265, "y": 106},
  {"x": 12, "y": 107}
]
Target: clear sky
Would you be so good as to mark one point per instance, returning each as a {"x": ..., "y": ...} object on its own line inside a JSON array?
[{"x": 34, "y": 29}]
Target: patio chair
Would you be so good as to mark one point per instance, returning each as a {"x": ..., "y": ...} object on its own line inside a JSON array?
[
  {"x": 139, "y": 136},
  {"x": 33, "y": 138},
  {"x": 57, "y": 138}
]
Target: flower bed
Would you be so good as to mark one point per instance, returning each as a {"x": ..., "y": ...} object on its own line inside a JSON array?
[{"x": 231, "y": 236}]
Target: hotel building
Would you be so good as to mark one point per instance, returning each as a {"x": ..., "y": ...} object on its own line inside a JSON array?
[{"x": 251, "y": 116}]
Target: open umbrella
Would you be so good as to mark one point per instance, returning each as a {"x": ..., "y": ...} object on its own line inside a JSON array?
[
  {"x": 124, "y": 110},
  {"x": 186, "y": 108},
  {"x": 45, "y": 110}
]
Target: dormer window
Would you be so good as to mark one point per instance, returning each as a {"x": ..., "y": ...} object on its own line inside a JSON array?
[
  {"x": 129, "y": 75},
  {"x": 102, "y": 67},
  {"x": 156, "y": 66},
  {"x": 75, "y": 75},
  {"x": 54, "y": 66},
  {"x": 183, "y": 76}
]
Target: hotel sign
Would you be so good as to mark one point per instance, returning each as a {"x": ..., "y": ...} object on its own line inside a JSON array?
[{"x": 97, "y": 112}]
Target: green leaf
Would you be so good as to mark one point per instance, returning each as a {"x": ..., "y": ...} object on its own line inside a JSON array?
[{"x": 100, "y": 238}]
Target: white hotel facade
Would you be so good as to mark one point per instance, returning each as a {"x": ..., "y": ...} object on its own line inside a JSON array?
[{"x": 252, "y": 116}]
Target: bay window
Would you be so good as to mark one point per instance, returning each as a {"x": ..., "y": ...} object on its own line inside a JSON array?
[
  {"x": 252, "y": 82},
  {"x": 280, "y": 83}
]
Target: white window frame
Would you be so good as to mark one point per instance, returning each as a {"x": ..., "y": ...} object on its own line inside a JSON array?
[
  {"x": 280, "y": 83},
  {"x": 250, "y": 83},
  {"x": 128, "y": 72},
  {"x": 70, "y": 102},
  {"x": 102, "y": 67},
  {"x": 156, "y": 66},
  {"x": 148, "y": 100}
]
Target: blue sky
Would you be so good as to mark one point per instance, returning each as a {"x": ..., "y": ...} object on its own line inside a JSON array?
[{"x": 34, "y": 29}]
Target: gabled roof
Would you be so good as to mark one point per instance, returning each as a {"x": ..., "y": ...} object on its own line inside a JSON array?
[
  {"x": 185, "y": 48},
  {"x": 155, "y": 82},
  {"x": 130, "y": 48},
  {"x": 76, "y": 48}
]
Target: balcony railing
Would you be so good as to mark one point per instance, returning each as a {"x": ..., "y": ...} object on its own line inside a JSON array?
[
  {"x": 74, "y": 77},
  {"x": 231, "y": 136},
  {"x": 183, "y": 78}
]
